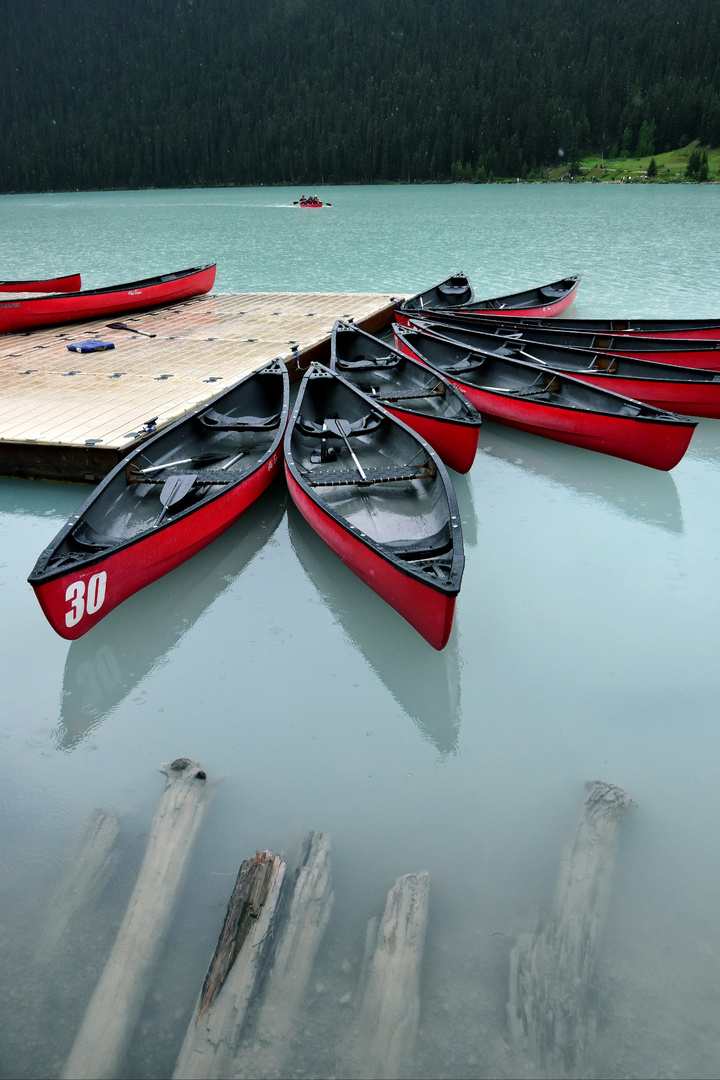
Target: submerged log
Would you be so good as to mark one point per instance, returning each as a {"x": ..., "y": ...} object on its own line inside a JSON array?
[
  {"x": 118, "y": 998},
  {"x": 301, "y": 923},
  {"x": 210, "y": 1043},
  {"x": 89, "y": 869},
  {"x": 551, "y": 1001},
  {"x": 383, "y": 1041}
]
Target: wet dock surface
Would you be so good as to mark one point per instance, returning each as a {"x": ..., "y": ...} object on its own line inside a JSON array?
[{"x": 72, "y": 416}]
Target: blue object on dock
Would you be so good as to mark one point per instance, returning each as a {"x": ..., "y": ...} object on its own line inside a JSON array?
[{"x": 91, "y": 346}]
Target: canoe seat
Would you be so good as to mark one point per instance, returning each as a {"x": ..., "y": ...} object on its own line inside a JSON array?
[
  {"x": 607, "y": 364},
  {"x": 551, "y": 293},
  {"x": 364, "y": 426},
  {"x": 455, "y": 287},
  {"x": 426, "y": 547},
  {"x": 88, "y": 539},
  {"x": 471, "y": 362},
  {"x": 368, "y": 363},
  {"x": 218, "y": 422}
]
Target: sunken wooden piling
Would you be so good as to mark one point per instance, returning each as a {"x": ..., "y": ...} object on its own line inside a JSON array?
[
  {"x": 212, "y": 1037},
  {"x": 116, "y": 1004},
  {"x": 88, "y": 872},
  {"x": 551, "y": 1002},
  {"x": 383, "y": 1041},
  {"x": 301, "y": 922}
]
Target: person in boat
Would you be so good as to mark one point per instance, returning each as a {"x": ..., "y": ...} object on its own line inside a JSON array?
[{"x": 303, "y": 200}]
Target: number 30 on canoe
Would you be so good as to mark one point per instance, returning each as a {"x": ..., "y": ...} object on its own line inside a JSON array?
[{"x": 82, "y": 601}]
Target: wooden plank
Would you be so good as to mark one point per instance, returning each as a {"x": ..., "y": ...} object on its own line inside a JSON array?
[
  {"x": 550, "y": 1009},
  {"x": 212, "y": 1036},
  {"x": 116, "y": 1004},
  {"x": 383, "y": 1041}
]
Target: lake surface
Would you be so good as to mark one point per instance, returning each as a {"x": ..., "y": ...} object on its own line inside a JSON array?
[{"x": 585, "y": 647}]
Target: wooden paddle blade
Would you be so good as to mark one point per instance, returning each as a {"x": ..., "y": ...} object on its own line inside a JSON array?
[{"x": 176, "y": 488}]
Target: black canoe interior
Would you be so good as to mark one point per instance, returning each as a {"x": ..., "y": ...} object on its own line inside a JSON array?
[
  {"x": 127, "y": 504},
  {"x": 620, "y": 326},
  {"x": 521, "y": 379},
  {"x": 454, "y": 292},
  {"x": 450, "y": 294},
  {"x": 552, "y": 334},
  {"x": 565, "y": 358},
  {"x": 393, "y": 379},
  {"x": 405, "y": 505}
]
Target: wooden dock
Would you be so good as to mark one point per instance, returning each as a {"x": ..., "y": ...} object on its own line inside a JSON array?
[{"x": 73, "y": 416}]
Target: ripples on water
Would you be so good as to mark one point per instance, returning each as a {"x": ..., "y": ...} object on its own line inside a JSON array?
[{"x": 585, "y": 646}]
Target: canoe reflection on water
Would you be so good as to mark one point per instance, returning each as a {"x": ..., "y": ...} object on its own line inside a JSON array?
[
  {"x": 651, "y": 497},
  {"x": 109, "y": 662},
  {"x": 425, "y": 683}
]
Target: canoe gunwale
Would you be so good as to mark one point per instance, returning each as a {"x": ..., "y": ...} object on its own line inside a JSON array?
[{"x": 40, "y": 575}]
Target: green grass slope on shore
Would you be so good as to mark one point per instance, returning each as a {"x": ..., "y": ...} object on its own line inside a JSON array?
[{"x": 671, "y": 167}]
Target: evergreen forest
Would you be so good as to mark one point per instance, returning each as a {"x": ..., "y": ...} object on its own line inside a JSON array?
[{"x": 176, "y": 93}]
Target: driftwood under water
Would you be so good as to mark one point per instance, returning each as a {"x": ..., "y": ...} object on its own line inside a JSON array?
[
  {"x": 88, "y": 872},
  {"x": 383, "y": 1040},
  {"x": 117, "y": 1002},
  {"x": 212, "y": 1037},
  {"x": 551, "y": 1001},
  {"x": 301, "y": 922}
]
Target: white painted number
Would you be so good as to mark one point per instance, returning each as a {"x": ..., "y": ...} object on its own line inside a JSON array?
[
  {"x": 76, "y": 595},
  {"x": 96, "y": 592}
]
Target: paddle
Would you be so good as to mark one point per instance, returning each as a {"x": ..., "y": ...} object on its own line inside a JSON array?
[
  {"x": 174, "y": 491},
  {"x": 343, "y": 428},
  {"x": 124, "y": 326},
  {"x": 201, "y": 458}
]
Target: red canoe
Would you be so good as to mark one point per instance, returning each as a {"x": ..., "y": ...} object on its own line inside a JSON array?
[
  {"x": 429, "y": 404},
  {"x": 688, "y": 352},
  {"x": 457, "y": 294},
  {"x": 705, "y": 329},
  {"x": 557, "y": 406},
  {"x": 165, "y": 502},
  {"x": 50, "y": 310},
  {"x": 70, "y": 283},
  {"x": 687, "y": 390},
  {"x": 380, "y": 498}
]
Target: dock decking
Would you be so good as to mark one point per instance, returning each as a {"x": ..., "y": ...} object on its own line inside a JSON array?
[{"x": 73, "y": 416}]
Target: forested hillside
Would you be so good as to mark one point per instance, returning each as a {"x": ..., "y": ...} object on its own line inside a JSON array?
[{"x": 166, "y": 93}]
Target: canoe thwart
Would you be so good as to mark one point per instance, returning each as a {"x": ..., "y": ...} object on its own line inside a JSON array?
[{"x": 219, "y": 422}]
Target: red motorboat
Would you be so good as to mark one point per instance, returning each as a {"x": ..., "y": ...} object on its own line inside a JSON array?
[
  {"x": 53, "y": 309},
  {"x": 691, "y": 391},
  {"x": 69, "y": 283},
  {"x": 457, "y": 294},
  {"x": 687, "y": 352},
  {"x": 380, "y": 497},
  {"x": 165, "y": 502},
  {"x": 427, "y": 403},
  {"x": 549, "y": 403}
]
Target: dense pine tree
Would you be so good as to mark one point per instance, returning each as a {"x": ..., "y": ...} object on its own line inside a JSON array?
[{"x": 101, "y": 94}]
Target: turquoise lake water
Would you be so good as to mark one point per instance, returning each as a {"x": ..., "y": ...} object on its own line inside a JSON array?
[{"x": 585, "y": 646}]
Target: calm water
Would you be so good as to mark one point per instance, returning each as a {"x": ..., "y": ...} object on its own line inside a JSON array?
[{"x": 585, "y": 647}]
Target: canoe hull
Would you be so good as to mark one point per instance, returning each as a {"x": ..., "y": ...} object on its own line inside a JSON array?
[
  {"x": 430, "y": 612},
  {"x": 66, "y": 600},
  {"x": 70, "y": 283},
  {"x": 646, "y": 442},
  {"x": 456, "y": 444},
  {"x": 55, "y": 309}
]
